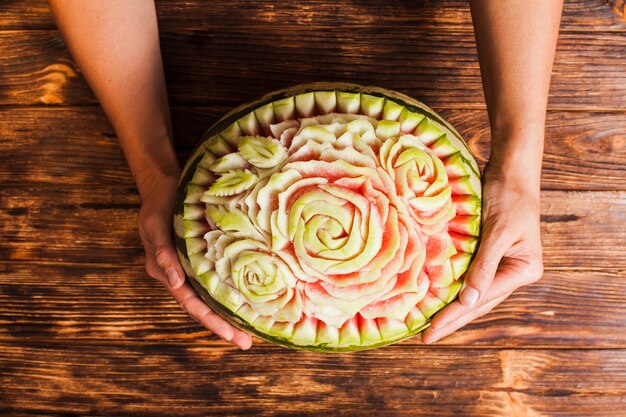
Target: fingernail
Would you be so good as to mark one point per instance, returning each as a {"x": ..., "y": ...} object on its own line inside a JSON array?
[
  {"x": 438, "y": 325},
  {"x": 227, "y": 334},
  {"x": 469, "y": 296},
  {"x": 173, "y": 278}
]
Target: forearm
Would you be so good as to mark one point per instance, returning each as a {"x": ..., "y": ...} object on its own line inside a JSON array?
[
  {"x": 116, "y": 46},
  {"x": 516, "y": 43}
]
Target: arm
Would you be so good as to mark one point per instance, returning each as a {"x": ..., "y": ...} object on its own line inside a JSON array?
[
  {"x": 516, "y": 44},
  {"x": 116, "y": 45}
]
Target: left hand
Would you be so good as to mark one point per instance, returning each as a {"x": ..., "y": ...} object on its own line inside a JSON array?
[
  {"x": 509, "y": 255},
  {"x": 155, "y": 229}
]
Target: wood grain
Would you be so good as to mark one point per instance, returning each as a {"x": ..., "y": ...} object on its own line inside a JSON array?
[
  {"x": 578, "y": 15},
  {"x": 95, "y": 225},
  {"x": 584, "y": 151},
  {"x": 108, "y": 379},
  {"x": 56, "y": 303},
  {"x": 576, "y": 231},
  {"x": 222, "y": 66},
  {"x": 26, "y": 14}
]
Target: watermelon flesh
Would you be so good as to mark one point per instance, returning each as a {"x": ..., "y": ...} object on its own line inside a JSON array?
[{"x": 330, "y": 219}]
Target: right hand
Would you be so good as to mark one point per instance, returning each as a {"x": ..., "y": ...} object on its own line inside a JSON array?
[
  {"x": 509, "y": 254},
  {"x": 155, "y": 219}
]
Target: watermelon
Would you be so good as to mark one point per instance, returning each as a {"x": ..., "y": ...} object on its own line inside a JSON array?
[{"x": 329, "y": 217}]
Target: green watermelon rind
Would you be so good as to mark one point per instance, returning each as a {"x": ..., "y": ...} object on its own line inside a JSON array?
[{"x": 189, "y": 169}]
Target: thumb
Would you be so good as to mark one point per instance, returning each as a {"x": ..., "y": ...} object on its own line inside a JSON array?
[
  {"x": 482, "y": 270},
  {"x": 159, "y": 234},
  {"x": 167, "y": 259}
]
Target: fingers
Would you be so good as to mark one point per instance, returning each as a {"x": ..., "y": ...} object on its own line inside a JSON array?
[
  {"x": 511, "y": 274},
  {"x": 167, "y": 259},
  {"x": 242, "y": 339},
  {"x": 433, "y": 334},
  {"x": 157, "y": 236},
  {"x": 196, "y": 308},
  {"x": 483, "y": 268},
  {"x": 509, "y": 277},
  {"x": 162, "y": 264},
  {"x": 199, "y": 311}
]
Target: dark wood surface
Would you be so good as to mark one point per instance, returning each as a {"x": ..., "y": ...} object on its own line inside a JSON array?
[
  {"x": 225, "y": 65},
  {"x": 84, "y": 331}
]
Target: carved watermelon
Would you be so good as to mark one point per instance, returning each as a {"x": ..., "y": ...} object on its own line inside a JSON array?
[{"x": 329, "y": 217}]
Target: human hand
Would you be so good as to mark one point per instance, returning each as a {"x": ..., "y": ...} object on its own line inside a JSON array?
[
  {"x": 509, "y": 255},
  {"x": 155, "y": 220}
]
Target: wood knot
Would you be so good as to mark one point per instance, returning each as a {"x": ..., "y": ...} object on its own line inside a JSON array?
[{"x": 54, "y": 77}]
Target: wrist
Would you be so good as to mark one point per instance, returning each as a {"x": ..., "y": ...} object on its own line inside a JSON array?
[
  {"x": 512, "y": 179},
  {"x": 516, "y": 154},
  {"x": 153, "y": 171},
  {"x": 152, "y": 180}
]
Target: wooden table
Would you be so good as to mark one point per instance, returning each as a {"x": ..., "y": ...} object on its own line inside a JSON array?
[{"x": 84, "y": 330}]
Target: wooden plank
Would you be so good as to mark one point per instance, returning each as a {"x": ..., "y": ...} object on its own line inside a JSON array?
[
  {"x": 581, "y": 230},
  {"x": 584, "y": 151},
  {"x": 55, "y": 303},
  {"x": 576, "y": 232},
  {"x": 108, "y": 379},
  {"x": 68, "y": 224},
  {"x": 77, "y": 145},
  {"x": 236, "y": 64},
  {"x": 578, "y": 15}
]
